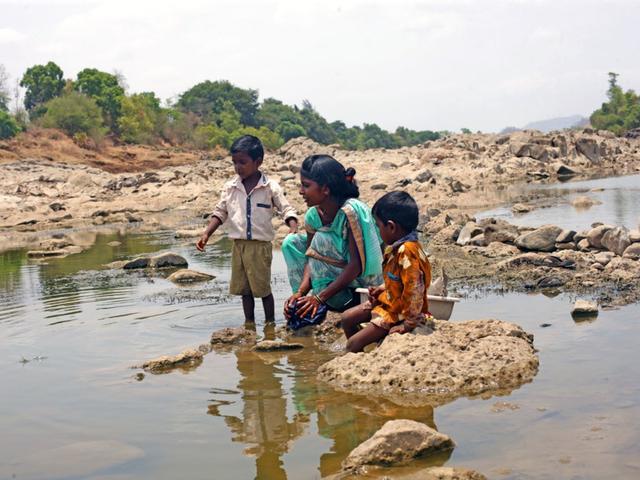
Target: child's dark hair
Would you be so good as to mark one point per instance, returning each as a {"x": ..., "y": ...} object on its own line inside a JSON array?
[
  {"x": 326, "y": 170},
  {"x": 250, "y": 145},
  {"x": 399, "y": 207}
]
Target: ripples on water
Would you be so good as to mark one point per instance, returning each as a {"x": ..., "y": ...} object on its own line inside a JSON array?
[{"x": 248, "y": 415}]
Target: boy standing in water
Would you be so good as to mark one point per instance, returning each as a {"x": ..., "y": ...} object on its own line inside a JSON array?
[{"x": 247, "y": 205}]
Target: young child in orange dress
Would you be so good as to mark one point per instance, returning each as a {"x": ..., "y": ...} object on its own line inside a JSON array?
[{"x": 400, "y": 304}]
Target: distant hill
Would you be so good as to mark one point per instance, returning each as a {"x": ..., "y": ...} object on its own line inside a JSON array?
[{"x": 551, "y": 124}]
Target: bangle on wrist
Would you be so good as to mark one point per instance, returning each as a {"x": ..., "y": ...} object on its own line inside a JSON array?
[{"x": 317, "y": 297}]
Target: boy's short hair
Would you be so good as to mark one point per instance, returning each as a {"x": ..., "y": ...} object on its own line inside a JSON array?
[
  {"x": 250, "y": 145},
  {"x": 399, "y": 207}
]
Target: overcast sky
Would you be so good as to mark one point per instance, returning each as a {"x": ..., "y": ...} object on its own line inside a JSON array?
[{"x": 423, "y": 64}]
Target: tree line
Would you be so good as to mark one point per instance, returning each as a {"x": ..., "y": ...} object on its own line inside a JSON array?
[
  {"x": 621, "y": 113},
  {"x": 212, "y": 113}
]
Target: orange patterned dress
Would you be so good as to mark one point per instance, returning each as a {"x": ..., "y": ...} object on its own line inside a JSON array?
[{"x": 407, "y": 275}]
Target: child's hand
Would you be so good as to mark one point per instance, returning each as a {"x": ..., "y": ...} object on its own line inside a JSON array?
[
  {"x": 374, "y": 292},
  {"x": 409, "y": 324},
  {"x": 200, "y": 244},
  {"x": 397, "y": 329}
]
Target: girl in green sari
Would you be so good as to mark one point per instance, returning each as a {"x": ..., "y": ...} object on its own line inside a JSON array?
[{"x": 340, "y": 250}]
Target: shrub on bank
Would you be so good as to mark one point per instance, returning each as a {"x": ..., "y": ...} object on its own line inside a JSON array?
[
  {"x": 8, "y": 126},
  {"x": 75, "y": 113}
]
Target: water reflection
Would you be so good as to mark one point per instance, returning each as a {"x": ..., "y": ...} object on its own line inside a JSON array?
[{"x": 269, "y": 432}]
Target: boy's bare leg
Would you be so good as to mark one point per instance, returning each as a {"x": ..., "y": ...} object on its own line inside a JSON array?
[
  {"x": 269, "y": 308},
  {"x": 352, "y": 318},
  {"x": 248, "y": 306},
  {"x": 369, "y": 334}
]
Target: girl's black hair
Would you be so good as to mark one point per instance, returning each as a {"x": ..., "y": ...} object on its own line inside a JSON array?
[
  {"x": 250, "y": 145},
  {"x": 326, "y": 170},
  {"x": 399, "y": 207}
]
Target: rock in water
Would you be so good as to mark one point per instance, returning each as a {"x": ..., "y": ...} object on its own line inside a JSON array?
[
  {"x": 167, "y": 260},
  {"x": 191, "y": 356},
  {"x": 233, "y": 336},
  {"x": 461, "y": 358},
  {"x": 542, "y": 239},
  {"x": 142, "y": 262},
  {"x": 448, "y": 473},
  {"x": 397, "y": 442},
  {"x": 275, "y": 346},
  {"x": 189, "y": 276},
  {"x": 583, "y": 307},
  {"x": 584, "y": 202}
]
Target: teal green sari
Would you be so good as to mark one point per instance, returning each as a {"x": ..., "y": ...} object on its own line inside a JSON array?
[{"x": 328, "y": 253}]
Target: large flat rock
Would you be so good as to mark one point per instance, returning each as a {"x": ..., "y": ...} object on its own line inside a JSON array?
[{"x": 457, "y": 359}]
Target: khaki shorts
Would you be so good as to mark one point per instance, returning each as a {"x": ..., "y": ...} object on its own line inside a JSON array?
[{"x": 251, "y": 268}]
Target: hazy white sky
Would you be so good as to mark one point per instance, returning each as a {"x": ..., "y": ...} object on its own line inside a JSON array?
[{"x": 423, "y": 64}]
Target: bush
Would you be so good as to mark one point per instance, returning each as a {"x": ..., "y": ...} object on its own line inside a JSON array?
[
  {"x": 75, "y": 113},
  {"x": 209, "y": 136},
  {"x": 140, "y": 120},
  {"x": 8, "y": 125}
]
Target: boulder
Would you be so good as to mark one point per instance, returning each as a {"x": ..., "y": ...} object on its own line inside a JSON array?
[
  {"x": 275, "y": 346},
  {"x": 470, "y": 230},
  {"x": 233, "y": 336},
  {"x": 446, "y": 473},
  {"x": 542, "y": 239},
  {"x": 584, "y": 245},
  {"x": 584, "y": 307},
  {"x": 565, "y": 246},
  {"x": 190, "y": 357},
  {"x": 565, "y": 236},
  {"x": 521, "y": 208},
  {"x": 603, "y": 258},
  {"x": 189, "y": 276},
  {"x": 584, "y": 202},
  {"x": 142, "y": 262},
  {"x": 616, "y": 240},
  {"x": 632, "y": 251},
  {"x": 397, "y": 442},
  {"x": 424, "y": 176},
  {"x": 456, "y": 359},
  {"x": 564, "y": 171},
  {"x": 589, "y": 148},
  {"x": 634, "y": 236},
  {"x": 167, "y": 260},
  {"x": 595, "y": 235},
  {"x": 532, "y": 150}
]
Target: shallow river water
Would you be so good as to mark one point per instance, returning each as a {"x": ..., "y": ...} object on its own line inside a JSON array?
[{"x": 71, "y": 406}]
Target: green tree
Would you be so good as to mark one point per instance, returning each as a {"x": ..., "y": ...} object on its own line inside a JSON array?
[
  {"x": 43, "y": 83},
  {"x": 207, "y": 99},
  {"x": 273, "y": 112},
  {"x": 105, "y": 89},
  {"x": 621, "y": 112},
  {"x": 288, "y": 130},
  {"x": 208, "y": 136},
  {"x": 465, "y": 131},
  {"x": 315, "y": 125},
  {"x": 74, "y": 113},
  {"x": 8, "y": 126},
  {"x": 141, "y": 118}
]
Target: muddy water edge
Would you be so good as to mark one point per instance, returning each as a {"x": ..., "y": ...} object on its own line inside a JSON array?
[{"x": 73, "y": 408}]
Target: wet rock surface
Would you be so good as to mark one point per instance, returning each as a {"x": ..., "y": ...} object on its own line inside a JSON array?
[
  {"x": 276, "y": 346},
  {"x": 190, "y": 357},
  {"x": 457, "y": 359},
  {"x": 233, "y": 336},
  {"x": 397, "y": 442},
  {"x": 189, "y": 276}
]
